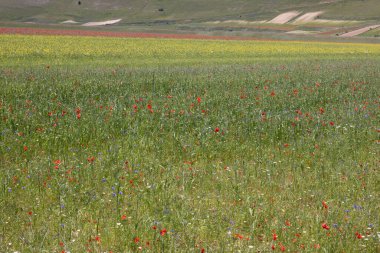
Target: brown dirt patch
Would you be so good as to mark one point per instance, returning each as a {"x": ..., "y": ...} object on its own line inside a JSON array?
[
  {"x": 308, "y": 17},
  {"x": 284, "y": 17},
  {"x": 359, "y": 31}
]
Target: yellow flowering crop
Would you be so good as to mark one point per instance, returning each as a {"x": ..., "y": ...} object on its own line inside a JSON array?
[{"x": 63, "y": 49}]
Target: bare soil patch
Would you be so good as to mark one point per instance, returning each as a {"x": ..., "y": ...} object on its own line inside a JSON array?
[
  {"x": 284, "y": 17},
  {"x": 107, "y": 22},
  {"x": 308, "y": 17},
  {"x": 359, "y": 31},
  {"x": 69, "y": 22}
]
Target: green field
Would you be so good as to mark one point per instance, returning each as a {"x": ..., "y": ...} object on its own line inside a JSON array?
[{"x": 154, "y": 145}]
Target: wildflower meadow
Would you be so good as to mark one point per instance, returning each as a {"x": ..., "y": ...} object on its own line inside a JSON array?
[{"x": 181, "y": 145}]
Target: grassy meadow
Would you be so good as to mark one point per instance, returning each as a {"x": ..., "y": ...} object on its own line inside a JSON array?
[{"x": 164, "y": 145}]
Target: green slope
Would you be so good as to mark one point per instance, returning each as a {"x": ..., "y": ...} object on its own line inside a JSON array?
[{"x": 132, "y": 11}]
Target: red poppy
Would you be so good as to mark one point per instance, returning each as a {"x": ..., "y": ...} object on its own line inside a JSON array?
[
  {"x": 274, "y": 237},
  {"x": 321, "y": 110},
  {"x": 78, "y": 113},
  {"x": 199, "y": 100},
  {"x": 25, "y": 148},
  {"x": 216, "y": 130},
  {"x": 332, "y": 123},
  {"x": 123, "y": 217},
  {"x": 324, "y": 205},
  {"x": 358, "y": 235},
  {"x": 154, "y": 227},
  {"x": 149, "y": 106},
  {"x": 136, "y": 239},
  {"x": 263, "y": 116},
  {"x": 90, "y": 159},
  {"x": 325, "y": 226},
  {"x": 163, "y": 232}
]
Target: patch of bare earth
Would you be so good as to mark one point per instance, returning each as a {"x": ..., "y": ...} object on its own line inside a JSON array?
[
  {"x": 69, "y": 22},
  {"x": 308, "y": 17},
  {"x": 107, "y": 22},
  {"x": 284, "y": 17},
  {"x": 359, "y": 31},
  {"x": 334, "y": 21}
]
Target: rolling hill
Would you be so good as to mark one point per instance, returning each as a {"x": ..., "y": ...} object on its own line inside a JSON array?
[
  {"x": 193, "y": 15},
  {"x": 195, "y": 10}
]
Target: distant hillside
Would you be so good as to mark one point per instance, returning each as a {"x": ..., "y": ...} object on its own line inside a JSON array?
[{"x": 132, "y": 11}]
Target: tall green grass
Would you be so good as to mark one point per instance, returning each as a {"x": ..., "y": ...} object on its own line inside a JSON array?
[{"x": 215, "y": 157}]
